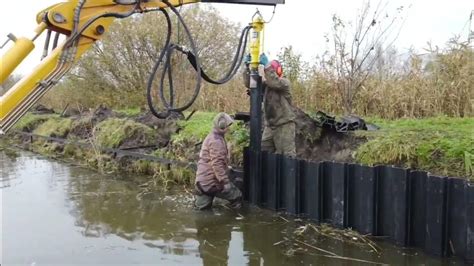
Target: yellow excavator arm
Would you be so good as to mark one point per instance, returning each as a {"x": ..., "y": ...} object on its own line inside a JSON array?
[{"x": 83, "y": 22}]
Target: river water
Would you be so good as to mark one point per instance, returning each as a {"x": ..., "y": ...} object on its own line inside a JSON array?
[{"x": 54, "y": 213}]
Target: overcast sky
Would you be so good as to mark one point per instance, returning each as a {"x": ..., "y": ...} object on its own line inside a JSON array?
[{"x": 300, "y": 23}]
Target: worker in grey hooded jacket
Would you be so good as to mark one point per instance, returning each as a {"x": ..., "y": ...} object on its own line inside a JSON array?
[
  {"x": 212, "y": 177},
  {"x": 279, "y": 118}
]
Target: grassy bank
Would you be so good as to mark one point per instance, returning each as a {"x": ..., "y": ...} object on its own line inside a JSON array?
[
  {"x": 442, "y": 145},
  {"x": 176, "y": 140}
]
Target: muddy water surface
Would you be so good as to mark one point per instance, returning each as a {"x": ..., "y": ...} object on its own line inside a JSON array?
[{"x": 55, "y": 213}]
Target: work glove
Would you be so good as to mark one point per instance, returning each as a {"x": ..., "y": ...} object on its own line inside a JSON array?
[{"x": 263, "y": 59}]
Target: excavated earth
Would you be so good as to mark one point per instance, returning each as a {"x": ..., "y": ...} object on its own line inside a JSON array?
[
  {"x": 316, "y": 143},
  {"x": 313, "y": 142},
  {"x": 84, "y": 123}
]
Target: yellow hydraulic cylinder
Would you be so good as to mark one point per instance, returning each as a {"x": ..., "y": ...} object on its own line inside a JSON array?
[
  {"x": 14, "y": 56},
  {"x": 257, "y": 25}
]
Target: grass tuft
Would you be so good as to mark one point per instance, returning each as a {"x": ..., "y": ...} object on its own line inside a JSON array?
[
  {"x": 196, "y": 128},
  {"x": 30, "y": 121},
  {"x": 54, "y": 127}
]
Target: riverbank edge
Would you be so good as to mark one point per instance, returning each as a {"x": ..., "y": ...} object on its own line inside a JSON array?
[{"x": 406, "y": 143}]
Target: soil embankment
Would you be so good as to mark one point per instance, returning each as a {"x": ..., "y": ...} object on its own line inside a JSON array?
[{"x": 444, "y": 148}]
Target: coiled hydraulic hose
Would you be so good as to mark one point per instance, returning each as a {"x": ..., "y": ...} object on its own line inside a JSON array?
[
  {"x": 168, "y": 50},
  {"x": 236, "y": 62},
  {"x": 192, "y": 56}
]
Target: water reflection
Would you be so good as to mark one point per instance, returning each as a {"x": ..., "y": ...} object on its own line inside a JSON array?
[
  {"x": 54, "y": 209},
  {"x": 7, "y": 161},
  {"x": 214, "y": 233}
]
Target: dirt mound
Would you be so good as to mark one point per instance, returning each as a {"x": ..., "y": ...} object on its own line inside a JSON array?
[
  {"x": 82, "y": 126},
  {"x": 164, "y": 127},
  {"x": 320, "y": 144},
  {"x": 333, "y": 146},
  {"x": 317, "y": 143}
]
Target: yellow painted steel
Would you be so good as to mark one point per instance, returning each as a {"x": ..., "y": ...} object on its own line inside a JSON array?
[
  {"x": 14, "y": 56},
  {"x": 15, "y": 102},
  {"x": 256, "y": 37},
  {"x": 20, "y": 50},
  {"x": 94, "y": 7},
  {"x": 26, "y": 85}
]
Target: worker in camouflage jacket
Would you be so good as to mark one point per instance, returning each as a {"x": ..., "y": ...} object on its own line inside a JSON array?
[
  {"x": 279, "y": 118},
  {"x": 212, "y": 177}
]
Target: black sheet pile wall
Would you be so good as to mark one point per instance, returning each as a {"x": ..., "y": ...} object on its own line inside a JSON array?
[{"x": 410, "y": 208}]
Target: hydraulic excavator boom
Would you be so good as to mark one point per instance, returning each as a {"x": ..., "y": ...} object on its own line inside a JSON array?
[{"x": 83, "y": 22}]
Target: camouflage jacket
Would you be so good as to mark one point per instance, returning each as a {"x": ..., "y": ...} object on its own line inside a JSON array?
[
  {"x": 212, "y": 170},
  {"x": 277, "y": 99}
]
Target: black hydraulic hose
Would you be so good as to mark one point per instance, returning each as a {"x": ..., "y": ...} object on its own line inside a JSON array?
[
  {"x": 168, "y": 69},
  {"x": 149, "y": 86},
  {"x": 194, "y": 51},
  {"x": 236, "y": 62},
  {"x": 168, "y": 51},
  {"x": 170, "y": 80},
  {"x": 242, "y": 54}
]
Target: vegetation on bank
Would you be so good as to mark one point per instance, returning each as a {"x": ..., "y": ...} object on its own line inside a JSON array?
[
  {"x": 112, "y": 132},
  {"x": 30, "y": 121},
  {"x": 126, "y": 133},
  {"x": 54, "y": 127},
  {"x": 441, "y": 145}
]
